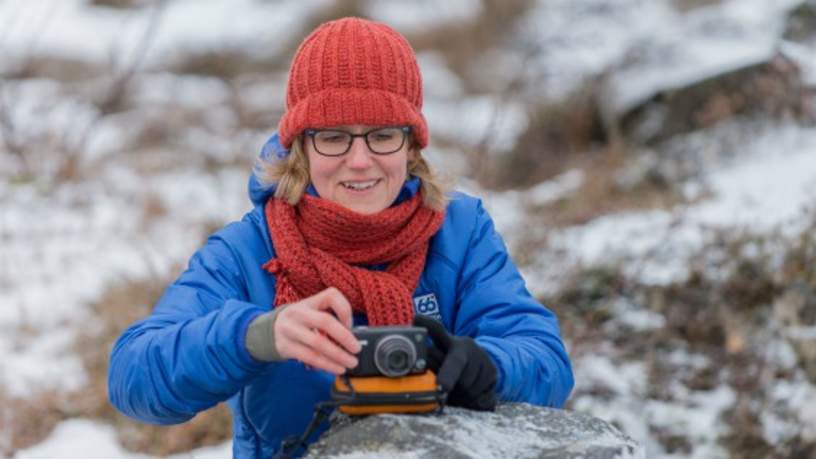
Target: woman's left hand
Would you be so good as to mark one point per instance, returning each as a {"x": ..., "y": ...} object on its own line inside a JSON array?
[{"x": 464, "y": 369}]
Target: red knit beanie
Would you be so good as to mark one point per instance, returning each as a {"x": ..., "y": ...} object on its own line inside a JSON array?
[{"x": 353, "y": 71}]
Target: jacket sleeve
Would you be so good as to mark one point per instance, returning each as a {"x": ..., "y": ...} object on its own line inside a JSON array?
[
  {"x": 520, "y": 334},
  {"x": 189, "y": 354}
]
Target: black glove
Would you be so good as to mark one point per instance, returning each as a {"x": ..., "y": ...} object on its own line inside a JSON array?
[{"x": 462, "y": 367}]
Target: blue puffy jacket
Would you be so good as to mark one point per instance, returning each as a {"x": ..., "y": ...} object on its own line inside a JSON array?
[{"x": 190, "y": 354}]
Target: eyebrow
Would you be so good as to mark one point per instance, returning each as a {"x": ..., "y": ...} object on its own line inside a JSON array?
[{"x": 365, "y": 128}]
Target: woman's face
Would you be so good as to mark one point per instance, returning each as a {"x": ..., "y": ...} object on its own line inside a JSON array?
[{"x": 359, "y": 180}]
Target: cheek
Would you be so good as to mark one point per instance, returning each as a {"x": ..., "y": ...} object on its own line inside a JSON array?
[
  {"x": 316, "y": 172},
  {"x": 320, "y": 176},
  {"x": 399, "y": 168},
  {"x": 320, "y": 171}
]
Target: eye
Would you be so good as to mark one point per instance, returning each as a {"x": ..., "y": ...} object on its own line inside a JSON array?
[
  {"x": 332, "y": 137},
  {"x": 383, "y": 135}
]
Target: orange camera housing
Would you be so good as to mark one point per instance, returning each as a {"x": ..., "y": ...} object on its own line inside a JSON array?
[{"x": 381, "y": 394}]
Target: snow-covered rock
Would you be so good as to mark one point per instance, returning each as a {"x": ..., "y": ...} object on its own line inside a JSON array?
[{"x": 514, "y": 430}]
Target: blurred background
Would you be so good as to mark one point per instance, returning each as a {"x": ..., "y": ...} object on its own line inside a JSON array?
[{"x": 651, "y": 165}]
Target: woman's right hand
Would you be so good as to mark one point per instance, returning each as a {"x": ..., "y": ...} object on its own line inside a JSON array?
[{"x": 317, "y": 331}]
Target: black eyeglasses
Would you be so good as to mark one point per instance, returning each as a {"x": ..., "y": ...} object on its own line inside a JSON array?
[{"x": 381, "y": 141}]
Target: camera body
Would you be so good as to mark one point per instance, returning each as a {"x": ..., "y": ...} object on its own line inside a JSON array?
[{"x": 392, "y": 351}]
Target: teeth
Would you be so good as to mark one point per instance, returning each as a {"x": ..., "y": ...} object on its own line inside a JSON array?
[{"x": 359, "y": 185}]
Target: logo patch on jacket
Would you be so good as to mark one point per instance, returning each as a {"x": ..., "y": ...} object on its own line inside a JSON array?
[{"x": 427, "y": 306}]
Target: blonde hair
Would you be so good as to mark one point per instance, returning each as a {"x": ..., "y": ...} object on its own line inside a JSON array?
[{"x": 291, "y": 176}]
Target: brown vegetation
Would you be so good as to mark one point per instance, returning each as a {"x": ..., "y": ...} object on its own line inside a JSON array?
[
  {"x": 118, "y": 308},
  {"x": 719, "y": 318},
  {"x": 123, "y": 4},
  {"x": 557, "y": 137},
  {"x": 226, "y": 64},
  {"x": 462, "y": 42},
  {"x": 724, "y": 318},
  {"x": 28, "y": 421},
  {"x": 25, "y": 422}
]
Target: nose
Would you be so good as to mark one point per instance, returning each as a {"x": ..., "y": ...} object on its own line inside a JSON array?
[{"x": 358, "y": 156}]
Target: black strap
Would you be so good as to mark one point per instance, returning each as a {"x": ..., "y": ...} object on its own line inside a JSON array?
[{"x": 292, "y": 446}]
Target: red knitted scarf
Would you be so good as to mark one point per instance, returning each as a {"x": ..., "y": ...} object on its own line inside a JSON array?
[{"x": 320, "y": 243}]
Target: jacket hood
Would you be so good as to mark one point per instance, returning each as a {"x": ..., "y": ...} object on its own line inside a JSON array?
[{"x": 273, "y": 151}]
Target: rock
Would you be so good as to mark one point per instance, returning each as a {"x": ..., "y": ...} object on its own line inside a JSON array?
[
  {"x": 801, "y": 23},
  {"x": 771, "y": 85},
  {"x": 514, "y": 430},
  {"x": 714, "y": 66}
]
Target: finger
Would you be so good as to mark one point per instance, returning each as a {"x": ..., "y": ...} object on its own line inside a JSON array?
[
  {"x": 332, "y": 298},
  {"x": 451, "y": 369},
  {"x": 484, "y": 381},
  {"x": 297, "y": 328},
  {"x": 325, "y": 347},
  {"x": 331, "y": 328},
  {"x": 469, "y": 377},
  {"x": 310, "y": 357},
  {"x": 436, "y": 331}
]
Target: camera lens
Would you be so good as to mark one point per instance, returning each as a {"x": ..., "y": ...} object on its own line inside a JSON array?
[
  {"x": 398, "y": 359},
  {"x": 395, "y": 355}
]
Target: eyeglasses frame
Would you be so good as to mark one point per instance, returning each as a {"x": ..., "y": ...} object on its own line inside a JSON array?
[{"x": 313, "y": 132}]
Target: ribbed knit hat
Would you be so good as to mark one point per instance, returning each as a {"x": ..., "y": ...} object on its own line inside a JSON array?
[{"x": 353, "y": 71}]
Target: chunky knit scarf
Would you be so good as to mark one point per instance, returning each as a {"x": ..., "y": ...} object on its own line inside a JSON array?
[{"x": 320, "y": 243}]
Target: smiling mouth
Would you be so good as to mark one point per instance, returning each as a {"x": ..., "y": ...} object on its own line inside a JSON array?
[{"x": 360, "y": 185}]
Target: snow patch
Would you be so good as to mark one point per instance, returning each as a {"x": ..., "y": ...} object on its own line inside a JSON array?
[
  {"x": 74, "y": 28},
  {"x": 93, "y": 440},
  {"x": 770, "y": 188},
  {"x": 422, "y": 15}
]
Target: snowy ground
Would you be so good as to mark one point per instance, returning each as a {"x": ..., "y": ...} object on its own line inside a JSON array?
[
  {"x": 63, "y": 243},
  {"x": 93, "y": 440},
  {"x": 770, "y": 189},
  {"x": 769, "y": 186}
]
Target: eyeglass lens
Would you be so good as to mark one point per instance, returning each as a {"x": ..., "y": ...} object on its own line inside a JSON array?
[{"x": 382, "y": 141}]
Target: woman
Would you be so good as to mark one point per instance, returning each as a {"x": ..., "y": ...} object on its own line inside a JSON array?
[{"x": 350, "y": 227}]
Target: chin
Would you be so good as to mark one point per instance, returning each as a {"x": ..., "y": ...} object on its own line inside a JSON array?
[{"x": 365, "y": 208}]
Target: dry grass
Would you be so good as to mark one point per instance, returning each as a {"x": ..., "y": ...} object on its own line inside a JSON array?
[
  {"x": 117, "y": 309},
  {"x": 688, "y": 5},
  {"x": 601, "y": 193},
  {"x": 462, "y": 42},
  {"x": 558, "y": 136},
  {"x": 227, "y": 64},
  {"x": 725, "y": 318},
  {"x": 26, "y": 422},
  {"x": 58, "y": 68},
  {"x": 336, "y": 10},
  {"x": 123, "y": 4},
  {"x": 586, "y": 301},
  {"x": 556, "y": 133}
]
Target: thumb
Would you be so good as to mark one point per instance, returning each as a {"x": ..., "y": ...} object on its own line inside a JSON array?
[{"x": 452, "y": 368}]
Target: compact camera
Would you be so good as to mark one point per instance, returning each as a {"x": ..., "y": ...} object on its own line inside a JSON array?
[{"x": 392, "y": 351}]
